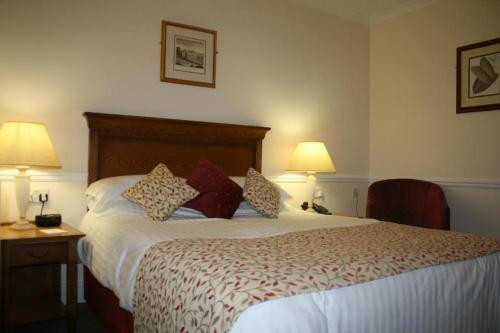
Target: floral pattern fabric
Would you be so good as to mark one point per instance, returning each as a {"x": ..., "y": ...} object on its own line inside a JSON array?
[
  {"x": 261, "y": 194},
  {"x": 160, "y": 193},
  {"x": 203, "y": 285}
]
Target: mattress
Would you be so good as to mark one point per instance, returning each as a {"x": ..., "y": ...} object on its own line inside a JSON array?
[{"x": 458, "y": 297}]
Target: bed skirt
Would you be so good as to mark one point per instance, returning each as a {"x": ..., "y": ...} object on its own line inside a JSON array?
[{"x": 106, "y": 306}]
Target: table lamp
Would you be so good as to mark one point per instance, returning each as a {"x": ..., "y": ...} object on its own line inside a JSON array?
[
  {"x": 24, "y": 145},
  {"x": 311, "y": 157}
]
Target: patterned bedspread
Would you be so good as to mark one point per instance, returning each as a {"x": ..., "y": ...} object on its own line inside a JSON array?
[{"x": 203, "y": 285}]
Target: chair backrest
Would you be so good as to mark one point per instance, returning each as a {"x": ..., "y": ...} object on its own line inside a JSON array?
[{"x": 408, "y": 201}]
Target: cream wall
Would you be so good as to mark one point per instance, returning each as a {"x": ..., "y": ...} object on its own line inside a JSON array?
[
  {"x": 297, "y": 70},
  {"x": 414, "y": 130}
]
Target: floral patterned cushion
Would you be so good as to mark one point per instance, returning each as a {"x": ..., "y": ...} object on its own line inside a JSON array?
[
  {"x": 261, "y": 194},
  {"x": 219, "y": 195},
  {"x": 160, "y": 193}
]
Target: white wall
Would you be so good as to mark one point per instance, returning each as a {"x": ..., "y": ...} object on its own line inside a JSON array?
[
  {"x": 297, "y": 70},
  {"x": 302, "y": 72},
  {"x": 414, "y": 130}
]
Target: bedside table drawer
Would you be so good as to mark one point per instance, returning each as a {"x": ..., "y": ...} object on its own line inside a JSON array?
[{"x": 35, "y": 254}]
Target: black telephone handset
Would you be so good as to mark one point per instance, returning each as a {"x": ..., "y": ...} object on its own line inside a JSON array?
[{"x": 321, "y": 210}]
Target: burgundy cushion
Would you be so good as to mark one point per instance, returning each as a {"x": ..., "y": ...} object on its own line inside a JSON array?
[{"x": 219, "y": 195}]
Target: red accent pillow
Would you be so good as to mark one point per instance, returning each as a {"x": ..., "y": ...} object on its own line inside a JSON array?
[{"x": 219, "y": 196}]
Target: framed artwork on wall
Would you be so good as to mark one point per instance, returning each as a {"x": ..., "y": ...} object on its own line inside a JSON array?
[
  {"x": 188, "y": 54},
  {"x": 478, "y": 71}
]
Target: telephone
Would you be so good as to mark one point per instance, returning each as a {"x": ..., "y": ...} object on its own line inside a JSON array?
[
  {"x": 320, "y": 209},
  {"x": 317, "y": 208}
]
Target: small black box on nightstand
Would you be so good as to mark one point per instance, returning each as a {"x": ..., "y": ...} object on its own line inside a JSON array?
[{"x": 49, "y": 220}]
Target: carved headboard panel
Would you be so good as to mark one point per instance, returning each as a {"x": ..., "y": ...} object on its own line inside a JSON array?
[{"x": 124, "y": 145}]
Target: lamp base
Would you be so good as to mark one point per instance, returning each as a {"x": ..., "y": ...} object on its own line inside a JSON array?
[
  {"x": 22, "y": 198},
  {"x": 22, "y": 225}
]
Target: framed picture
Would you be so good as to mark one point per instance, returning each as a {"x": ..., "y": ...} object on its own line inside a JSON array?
[
  {"x": 478, "y": 82},
  {"x": 188, "y": 54}
]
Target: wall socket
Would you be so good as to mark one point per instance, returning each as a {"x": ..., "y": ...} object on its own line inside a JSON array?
[
  {"x": 35, "y": 195},
  {"x": 355, "y": 192}
]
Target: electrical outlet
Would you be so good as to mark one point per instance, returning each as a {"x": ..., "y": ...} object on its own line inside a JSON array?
[
  {"x": 355, "y": 192},
  {"x": 35, "y": 195}
]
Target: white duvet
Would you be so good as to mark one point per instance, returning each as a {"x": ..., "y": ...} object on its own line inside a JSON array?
[{"x": 457, "y": 297}]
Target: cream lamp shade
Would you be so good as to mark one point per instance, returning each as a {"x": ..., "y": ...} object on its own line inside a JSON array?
[
  {"x": 311, "y": 157},
  {"x": 24, "y": 145}
]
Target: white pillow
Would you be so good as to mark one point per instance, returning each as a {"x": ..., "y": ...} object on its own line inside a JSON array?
[
  {"x": 103, "y": 192},
  {"x": 245, "y": 210},
  {"x": 188, "y": 213},
  {"x": 120, "y": 207},
  {"x": 125, "y": 207},
  {"x": 239, "y": 180}
]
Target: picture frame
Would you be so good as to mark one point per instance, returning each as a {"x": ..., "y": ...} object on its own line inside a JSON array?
[
  {"x": 478, "y": 81},
  {"x": 188, "y": 54}
]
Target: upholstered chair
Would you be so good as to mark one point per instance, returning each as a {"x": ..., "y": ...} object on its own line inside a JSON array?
[{"x": 408, "y": 201}]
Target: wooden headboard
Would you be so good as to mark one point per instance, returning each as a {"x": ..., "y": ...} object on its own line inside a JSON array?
[{"x": 125, "y": 145}]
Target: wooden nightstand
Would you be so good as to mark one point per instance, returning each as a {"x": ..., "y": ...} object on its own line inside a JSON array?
[{"x": 30, "y": 283}]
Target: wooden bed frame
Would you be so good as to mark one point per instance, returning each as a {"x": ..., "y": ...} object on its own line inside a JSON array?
[{"x": 124, "y": 145}]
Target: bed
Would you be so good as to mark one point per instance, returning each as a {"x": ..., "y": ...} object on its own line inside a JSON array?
[{"x": 461, "y": 296}]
